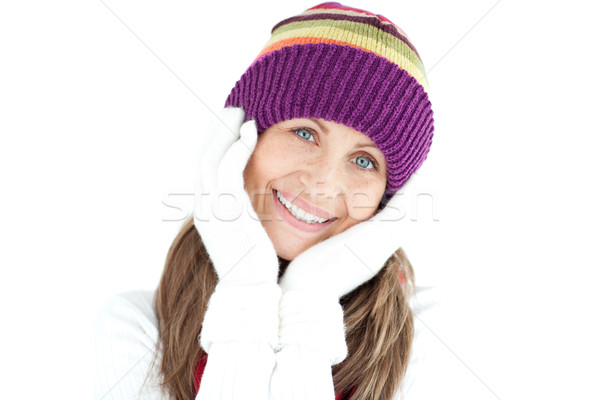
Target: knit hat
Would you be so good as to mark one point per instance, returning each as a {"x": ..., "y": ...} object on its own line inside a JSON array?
[{"x": 349, "y": 66}]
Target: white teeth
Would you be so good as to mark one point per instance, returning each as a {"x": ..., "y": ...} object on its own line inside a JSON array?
[{"x": 298, "y": 212}]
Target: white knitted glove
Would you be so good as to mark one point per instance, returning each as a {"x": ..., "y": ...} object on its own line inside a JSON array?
[
  {"x": 244, "y": 304},
  {"x": 309, "y": 310}
]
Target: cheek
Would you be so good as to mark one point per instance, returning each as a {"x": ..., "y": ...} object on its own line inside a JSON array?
[
  {"x": 363, "y": 200},
  {"x": 268, "y": 162}
]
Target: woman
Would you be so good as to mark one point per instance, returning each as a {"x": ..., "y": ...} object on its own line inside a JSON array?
[{"x": 289, "y": 281}]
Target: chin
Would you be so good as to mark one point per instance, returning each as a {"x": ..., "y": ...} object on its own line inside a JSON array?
[
  {"x": 289, "y": 252},
  {"x": 289, "y": 248}
]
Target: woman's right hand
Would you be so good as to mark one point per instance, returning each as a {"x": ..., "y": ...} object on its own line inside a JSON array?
[
  {"x": 232, "y": 233},
  {"x": 244, "y": 306}
]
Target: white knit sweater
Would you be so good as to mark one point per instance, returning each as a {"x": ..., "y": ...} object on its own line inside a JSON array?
[{"x": 126, "y": 335}]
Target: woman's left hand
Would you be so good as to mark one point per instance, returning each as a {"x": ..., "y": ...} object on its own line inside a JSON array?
[
  {"x": 343, "y": 262},
  {"x": 313, "y": 283}
]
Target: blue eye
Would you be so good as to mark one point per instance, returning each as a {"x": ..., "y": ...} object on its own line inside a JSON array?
[
  {"x": 304, "y": 134},
  {"x": 364, "y": 162}
]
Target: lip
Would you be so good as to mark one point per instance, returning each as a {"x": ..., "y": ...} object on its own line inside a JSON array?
[
  {"x": 310, "y": 208},
  {"x": 295, "y": 222}
]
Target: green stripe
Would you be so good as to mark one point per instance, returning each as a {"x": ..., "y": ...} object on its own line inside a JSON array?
[{"x": 361, "y": 29}]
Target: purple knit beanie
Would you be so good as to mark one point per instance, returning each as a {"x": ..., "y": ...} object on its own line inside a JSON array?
[{"x": 349, "y": 66}]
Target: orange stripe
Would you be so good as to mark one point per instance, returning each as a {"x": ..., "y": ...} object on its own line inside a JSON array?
[{"x": 303, "y": 40}]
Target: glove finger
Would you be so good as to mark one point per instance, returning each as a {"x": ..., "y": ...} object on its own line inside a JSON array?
[
  {"x": 226, "y": 128},
  {"x": 232, "y": 166},
  {"x": 249, "y": 134},
  {"x": 216, "y": 141},
  {"x": 224, "y": 131}
]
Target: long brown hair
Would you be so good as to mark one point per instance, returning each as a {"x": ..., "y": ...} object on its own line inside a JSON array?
[{"x": 379, "y": 322}]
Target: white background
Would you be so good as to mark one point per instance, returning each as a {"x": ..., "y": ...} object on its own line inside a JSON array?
[{"x": 102, "y": 106}]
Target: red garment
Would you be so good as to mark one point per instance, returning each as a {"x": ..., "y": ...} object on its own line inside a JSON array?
[{"x": 202, "y": 364}]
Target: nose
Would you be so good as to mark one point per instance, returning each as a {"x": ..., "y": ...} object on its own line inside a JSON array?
[{"x": 323, "y": 179}]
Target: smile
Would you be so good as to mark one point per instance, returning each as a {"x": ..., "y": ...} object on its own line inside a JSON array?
[
  {"x": 299, "y": 213},
  {"x": 298, "y": 217}
]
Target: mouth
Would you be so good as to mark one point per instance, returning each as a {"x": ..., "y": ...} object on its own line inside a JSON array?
[{"x": 299, "y": 217}]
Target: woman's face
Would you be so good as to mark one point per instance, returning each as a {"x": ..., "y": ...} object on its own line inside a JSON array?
[{"x": 328, "y": 170}]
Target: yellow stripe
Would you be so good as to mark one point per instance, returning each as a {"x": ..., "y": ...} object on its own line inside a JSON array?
[{"x": 399, "y": 58}]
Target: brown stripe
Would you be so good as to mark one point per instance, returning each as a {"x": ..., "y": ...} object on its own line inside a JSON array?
[{"x": 376, "y": 22}]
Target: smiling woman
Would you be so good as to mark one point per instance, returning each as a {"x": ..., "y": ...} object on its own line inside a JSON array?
[{"x": 306, "y": 294}]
